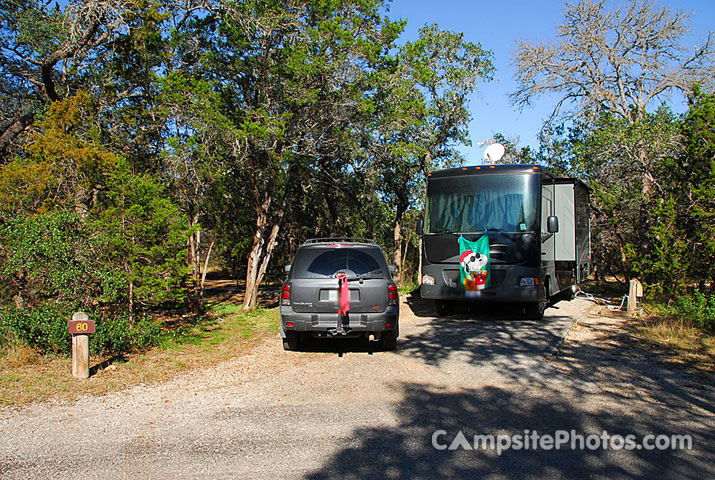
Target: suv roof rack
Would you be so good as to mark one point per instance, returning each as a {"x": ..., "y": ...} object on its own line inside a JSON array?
[{"x": 339, "y": 239}]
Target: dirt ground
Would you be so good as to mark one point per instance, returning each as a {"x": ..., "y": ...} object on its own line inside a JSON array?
[{"x": 347, "y": 410}]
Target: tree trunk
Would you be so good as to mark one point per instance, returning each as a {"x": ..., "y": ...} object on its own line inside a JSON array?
[
  {"x": 13, "y": 129},
  {"x": 252, "y": 280},
  {"x": 401, "y": 208},
  {"x": 131, "y": 301},
  {"x": 397, "y": 257},
  {"x": 192, "y": 298},
  {"x": 260, "y": 257},
  {"x": 206, "y": 268},
  {"x": 255, "y": 256},
  {"x": 197, "y": 271},
  {"x": 405, "y": 251},
  {"x": 252, "y": 293}
]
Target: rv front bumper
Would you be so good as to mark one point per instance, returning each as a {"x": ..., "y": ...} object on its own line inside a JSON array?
[{"x": 442, "y": 283}]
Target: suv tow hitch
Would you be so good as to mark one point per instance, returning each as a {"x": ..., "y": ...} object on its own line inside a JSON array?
[
  {"x": 342, "y": 328},
  {"x": 334, "y": 332}
]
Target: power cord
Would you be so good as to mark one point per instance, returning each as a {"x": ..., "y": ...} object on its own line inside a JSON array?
[{"x": 603, "y": 301}]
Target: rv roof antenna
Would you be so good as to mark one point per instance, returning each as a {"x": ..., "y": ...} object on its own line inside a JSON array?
[{"x": 494, "y": 152}]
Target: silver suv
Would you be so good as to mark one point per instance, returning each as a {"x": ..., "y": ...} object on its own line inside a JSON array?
[{"x": 313, "y": 297}]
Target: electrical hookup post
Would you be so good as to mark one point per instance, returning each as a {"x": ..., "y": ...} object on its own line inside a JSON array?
[{"x": 81, "y": 327}]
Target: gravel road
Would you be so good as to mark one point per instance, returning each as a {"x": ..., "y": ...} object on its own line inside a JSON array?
[{"x": 342, "y": 411}]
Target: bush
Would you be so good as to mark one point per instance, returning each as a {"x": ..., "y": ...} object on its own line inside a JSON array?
[
  {"x": 45, "y": 327},
  {"x": 118, "y": 334},
  {"x": 697, "y": 310}
]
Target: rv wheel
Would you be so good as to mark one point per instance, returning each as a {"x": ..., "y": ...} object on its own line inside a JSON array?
[{"x": 535, "y": 310}]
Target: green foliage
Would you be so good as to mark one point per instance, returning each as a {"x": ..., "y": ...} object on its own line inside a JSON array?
[
  {"x": 143, "y": 235},
  {"x": 56, "y": 266},
  {"x": 84, "y": 231},
  {"x": 667, "y": 264},
  {"x": 626, "y": 165},
  {"x": 695, "y": 310},
  {"x": 682, "y": 234},
  {"x": 63, "y": 166},
  {"x": 181, "y": 125},
  {"x": 695, "y": 171},
  {"x": 120, "y": 333},
  {"x": 51, "y": 256},
  {"x": 133, "y": 236},
  {"x": 45, "y": 327},
  {"x": 653, "y": 194}
]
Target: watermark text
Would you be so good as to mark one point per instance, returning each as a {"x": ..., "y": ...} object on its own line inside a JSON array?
[{"x": 558, "y": 440}]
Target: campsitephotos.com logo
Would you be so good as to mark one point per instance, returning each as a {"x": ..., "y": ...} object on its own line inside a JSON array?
[{"x": 558, "y": 440}]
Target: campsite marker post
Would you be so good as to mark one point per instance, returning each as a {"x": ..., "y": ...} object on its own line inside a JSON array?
[{"x": 80, "y": 327}]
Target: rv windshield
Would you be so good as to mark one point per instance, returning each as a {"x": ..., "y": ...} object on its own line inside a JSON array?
[{"x": 471, "y": 203}]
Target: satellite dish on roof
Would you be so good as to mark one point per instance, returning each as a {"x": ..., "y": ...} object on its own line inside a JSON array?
[{"x": 494, "y": 152}]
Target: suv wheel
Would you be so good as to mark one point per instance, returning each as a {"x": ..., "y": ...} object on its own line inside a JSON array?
[
  {"x": 388, "y": 341},
  {"x": 291, "y": 341}
]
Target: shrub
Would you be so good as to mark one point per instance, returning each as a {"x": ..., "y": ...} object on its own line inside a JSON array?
[
  {"x": 45, "y": 327},
  {"x": 697, "y": 310},
  {"x": 118, "y": 334}
]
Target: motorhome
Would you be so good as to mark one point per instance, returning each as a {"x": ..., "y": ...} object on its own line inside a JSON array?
[{"x": 537, "y": 226}]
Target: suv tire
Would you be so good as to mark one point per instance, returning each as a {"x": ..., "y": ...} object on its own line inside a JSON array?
[
  {"x": 292, "y": 341},
  {"x": 388, "y": 341}
]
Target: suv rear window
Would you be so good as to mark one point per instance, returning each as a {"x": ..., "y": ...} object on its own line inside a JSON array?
[{"x": 325, "y": 263}]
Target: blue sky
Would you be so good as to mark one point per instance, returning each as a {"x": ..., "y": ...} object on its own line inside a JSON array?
[{"x": 498, "y": 26}]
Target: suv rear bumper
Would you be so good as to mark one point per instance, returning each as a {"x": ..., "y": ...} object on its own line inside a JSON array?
[{"x": 322, "y": 322}]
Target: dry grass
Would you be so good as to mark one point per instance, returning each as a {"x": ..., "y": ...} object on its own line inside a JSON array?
[
  {"x": 678, "y": 344},
  {"x": 683, "y": 345},
  {"x": 26, "y": 376}
]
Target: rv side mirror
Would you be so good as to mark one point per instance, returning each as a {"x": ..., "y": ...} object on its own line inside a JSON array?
[
  {"x": 286, "y": 269},
  {"x": 552, "y": 224},
  {"x": 420, "y": 227},
  {"x": 392, "y": 269}
]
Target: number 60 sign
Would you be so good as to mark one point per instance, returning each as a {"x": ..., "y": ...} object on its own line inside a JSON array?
[{"x": 81, "y": 324}]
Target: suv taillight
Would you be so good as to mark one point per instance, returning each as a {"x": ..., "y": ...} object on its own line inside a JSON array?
[
  {"x": 392, "y": 297},
  {"x": 285, "y": 295}
]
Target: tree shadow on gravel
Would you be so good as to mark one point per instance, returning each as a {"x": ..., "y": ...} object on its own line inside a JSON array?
[
  {"x": 533, "y": 352},
  {"x": 483, "y": 337},
  {"x": 483, "y": 341},
  {"x": 626, "y": 370},
  {"x": 405, "y": 449},
  {"x": 586, "y": 389}
]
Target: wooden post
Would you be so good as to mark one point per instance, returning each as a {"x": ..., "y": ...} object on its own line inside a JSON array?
[
  {"x": 80, "y": 327},
  {"x": 80, "y": 356},
  {"x": 635, "y": 290}
]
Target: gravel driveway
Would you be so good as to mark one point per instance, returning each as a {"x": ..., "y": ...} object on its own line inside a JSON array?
[{"x": 342, "y": 411}]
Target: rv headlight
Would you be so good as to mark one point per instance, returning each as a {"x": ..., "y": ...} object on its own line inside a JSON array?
[
  {"x": 528, "y": 281},
  {"x": 427, "y": 280}
]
